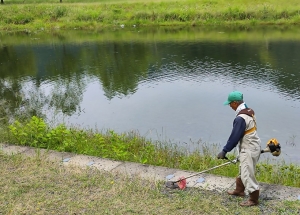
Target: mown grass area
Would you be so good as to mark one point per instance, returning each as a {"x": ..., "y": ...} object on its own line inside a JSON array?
[
  {"x": 133, "y": 147},
  {"x": 33, "y": 15},
  {"x": 37, "y": 186}
]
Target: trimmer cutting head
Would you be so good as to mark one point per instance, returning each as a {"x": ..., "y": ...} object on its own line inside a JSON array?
[
  {"x": 180, "y": 183},
  {"x": 172, "y": 185}
]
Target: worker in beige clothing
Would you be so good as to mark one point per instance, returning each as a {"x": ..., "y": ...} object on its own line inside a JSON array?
[{"x": 244, "y": 132}]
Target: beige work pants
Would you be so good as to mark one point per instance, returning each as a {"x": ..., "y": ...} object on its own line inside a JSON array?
[{"x": 248, "y": 160}]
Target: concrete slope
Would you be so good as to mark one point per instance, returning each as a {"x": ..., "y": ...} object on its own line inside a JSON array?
[{"x": 201, "y": 181}]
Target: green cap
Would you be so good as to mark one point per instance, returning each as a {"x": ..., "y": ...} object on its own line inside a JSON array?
[{"x": 234, "y": 96}]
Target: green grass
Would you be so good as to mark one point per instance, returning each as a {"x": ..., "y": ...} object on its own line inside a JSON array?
[
  {"x": 36, "y": 186},
  {"x": 133, "y": 147},
  {"x": 258, "y": 34},
  {"x": 103, "y": 14}
]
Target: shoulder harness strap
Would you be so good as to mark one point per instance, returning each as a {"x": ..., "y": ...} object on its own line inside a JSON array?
[{"x": 249, "y": 112}]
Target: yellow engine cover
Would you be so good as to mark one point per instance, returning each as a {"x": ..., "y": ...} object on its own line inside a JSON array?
[{"x": 274, "y": 141}]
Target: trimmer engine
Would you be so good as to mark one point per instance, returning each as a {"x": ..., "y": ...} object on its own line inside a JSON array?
[{"x": 273, "y": 146}]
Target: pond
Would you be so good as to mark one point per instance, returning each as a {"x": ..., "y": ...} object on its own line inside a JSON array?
[{"x": 167, "y": 84}]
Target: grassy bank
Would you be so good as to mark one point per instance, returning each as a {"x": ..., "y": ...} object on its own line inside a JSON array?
[
  {"x": 50, "y": 188},
  {"x": 258, "y": 34},
  {"x": 36, "y": 15},
  {"x": 135, "y": 148}
]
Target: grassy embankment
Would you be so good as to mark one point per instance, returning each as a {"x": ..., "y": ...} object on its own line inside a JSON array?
[
  {"x": 37, "y": 15},
  {"x": 135, "y": 148},
  {"x": 35, "y": 186}
]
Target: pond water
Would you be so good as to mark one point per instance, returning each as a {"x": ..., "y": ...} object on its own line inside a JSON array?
[{"x": 167, "y": 84}]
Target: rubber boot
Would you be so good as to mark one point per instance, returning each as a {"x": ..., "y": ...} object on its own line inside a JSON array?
[
  {"x": 253, "y": 200},
  {"x": 239, "y": 190}
]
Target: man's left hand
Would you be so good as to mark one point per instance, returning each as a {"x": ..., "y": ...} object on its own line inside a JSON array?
[{"x": 222, "y": 155}]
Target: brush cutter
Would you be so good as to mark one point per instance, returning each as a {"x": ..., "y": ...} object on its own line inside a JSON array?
[
  {"x": 181, "y": 183},
  {"x": 273, "y": 146}
]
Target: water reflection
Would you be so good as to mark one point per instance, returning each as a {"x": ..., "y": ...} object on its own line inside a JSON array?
[{"x": 166, "y": 84}]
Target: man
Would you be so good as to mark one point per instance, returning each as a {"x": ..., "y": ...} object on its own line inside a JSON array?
[{"x": 244, "y": 132}]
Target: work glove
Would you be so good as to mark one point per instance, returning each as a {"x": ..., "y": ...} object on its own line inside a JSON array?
[{"x": 222, "y": 155}]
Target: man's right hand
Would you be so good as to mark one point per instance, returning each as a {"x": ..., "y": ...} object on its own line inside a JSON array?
[{"x": 221, "y": 155}]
